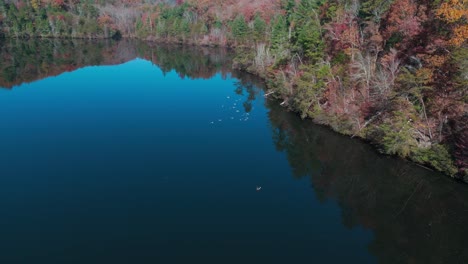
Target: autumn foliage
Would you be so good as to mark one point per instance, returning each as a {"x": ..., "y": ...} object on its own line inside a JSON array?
[{"x": 391, "y": 71}]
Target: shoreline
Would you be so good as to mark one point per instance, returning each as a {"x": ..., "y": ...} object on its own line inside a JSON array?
[{"x": 263, "y": 75}]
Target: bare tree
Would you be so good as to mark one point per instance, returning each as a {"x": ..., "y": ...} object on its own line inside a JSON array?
[
  {"x": 123, "y": 17},
  {"x": 363, "y": 71}
]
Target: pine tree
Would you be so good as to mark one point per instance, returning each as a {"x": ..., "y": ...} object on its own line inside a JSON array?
[
  {"x": 259, "y": 27},
  {"x": 279, "y": 34},
  {"x": 240, "y": 29}
]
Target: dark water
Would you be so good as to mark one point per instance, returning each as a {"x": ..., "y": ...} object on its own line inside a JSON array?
[{"x": 134, "y": 153}]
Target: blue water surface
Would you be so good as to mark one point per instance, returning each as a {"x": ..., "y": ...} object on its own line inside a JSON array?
[{"x": 127, "y": 164}]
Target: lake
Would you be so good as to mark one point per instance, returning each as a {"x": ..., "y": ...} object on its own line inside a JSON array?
[{"x": 132, "y": 152}]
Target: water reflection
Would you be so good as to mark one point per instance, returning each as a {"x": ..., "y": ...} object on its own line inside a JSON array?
[
  {"x": 27, "y": 61},
  {"x": 417, "y": 216}
]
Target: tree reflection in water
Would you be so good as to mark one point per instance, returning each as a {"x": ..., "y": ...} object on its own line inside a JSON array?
[
  {"x": 26, "y": 61},
  {"x": 417, "y": 216}
]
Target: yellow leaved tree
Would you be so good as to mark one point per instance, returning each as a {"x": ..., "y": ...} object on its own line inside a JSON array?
[{"x": 455, "y": 13}]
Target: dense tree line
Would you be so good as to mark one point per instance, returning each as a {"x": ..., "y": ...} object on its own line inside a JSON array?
[
  {"x": 393, "y": 72},
  {"x": 54, "y": 18}
]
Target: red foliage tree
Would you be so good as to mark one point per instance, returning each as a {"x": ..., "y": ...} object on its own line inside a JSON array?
[{"x": 405, "y": 17}]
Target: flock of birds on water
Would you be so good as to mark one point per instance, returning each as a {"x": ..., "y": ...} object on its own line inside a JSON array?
[{"x": 243, "y": 118}]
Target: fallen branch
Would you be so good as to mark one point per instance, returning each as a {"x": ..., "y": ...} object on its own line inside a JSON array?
[{"x": 367, "y": 123}]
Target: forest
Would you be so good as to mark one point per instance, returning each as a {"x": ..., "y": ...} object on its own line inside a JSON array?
[{"x": 391, "y": 72}]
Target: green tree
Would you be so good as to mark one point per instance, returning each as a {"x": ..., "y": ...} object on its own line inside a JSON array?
[
  {"x": 308, "y": 31},
  {"x": 240, "y": 29},
  {"x": 288, "y": 6},
  {"x": 397, "y": 133},
  {"x": 414, "y": 86},
  {"x": 310, "y": 88},
  {"x": 279, "y": 34},
  {"x": 259, "y": 28}
]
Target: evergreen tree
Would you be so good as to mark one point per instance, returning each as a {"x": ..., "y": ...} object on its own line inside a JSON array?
[
  {"x": 308, "y": 32},
  {"x": 279, "y": 34},
  {"x": 240, "y": 29},
  {"x": 259, "y": 27}
]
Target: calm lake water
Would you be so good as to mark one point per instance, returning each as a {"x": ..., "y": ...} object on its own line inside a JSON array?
[{"x": 126, "y": 152}]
